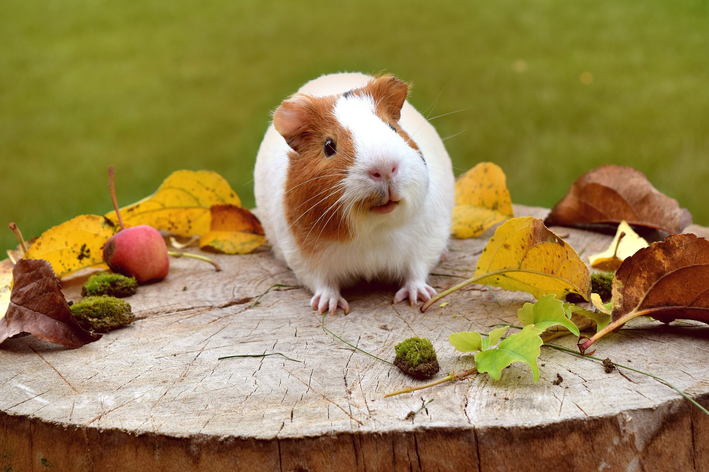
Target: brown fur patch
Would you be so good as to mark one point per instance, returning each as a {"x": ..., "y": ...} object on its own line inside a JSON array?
[
  {"x": 389, "y": 95},
  {"x": 313, "y": 182}
]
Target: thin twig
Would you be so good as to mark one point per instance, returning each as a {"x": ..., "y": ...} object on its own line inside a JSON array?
[
  {"x": 269, "y": 289},
  {"x": 447, "y": 378},
  {"x": 659, "y": 379},
  {"x": 259, "y": 355},
  {"x": 352, "y": 345}
]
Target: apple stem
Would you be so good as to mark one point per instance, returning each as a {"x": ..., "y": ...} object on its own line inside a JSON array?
[
  {"x": 194, "y": 256},
  {"x": 17, "y": 232},
  {"x": 112, "y": 187}
]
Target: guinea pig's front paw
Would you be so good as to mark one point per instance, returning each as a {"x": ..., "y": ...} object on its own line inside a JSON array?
[
  {"x": 414, "y": 291},
  {"x": 329, "y": 299}
]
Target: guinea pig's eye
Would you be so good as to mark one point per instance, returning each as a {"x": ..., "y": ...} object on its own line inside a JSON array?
[
  {"x": 393, "y": 128},
  {"x": 330, "y": 148}
]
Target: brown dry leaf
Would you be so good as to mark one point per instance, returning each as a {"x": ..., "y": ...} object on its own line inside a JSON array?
[
  {"x": 74, "y": 245},
  {"x": 667, "y": 280},
  {"x": 481, "y": 200},
  {"x": 610, "y": 194},
  {"x": 233, "y": 230},
  {"x": 37, "y": 306},
  {"x": 182, "y": 203}
]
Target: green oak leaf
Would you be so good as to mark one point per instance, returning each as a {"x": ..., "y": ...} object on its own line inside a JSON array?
[
  {"x": 521, "y": 347},
  {"x": 545, "y": 313},
  {"x": 471, "y": 341}
]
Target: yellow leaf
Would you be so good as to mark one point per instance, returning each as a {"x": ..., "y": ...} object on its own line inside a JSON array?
[
  {"x": 617, "y": 252},
  {"x": 5, "y": 286},
  {"x": 233, "y": 230},
  {"x": 481, "y": 200},
  {"x": 74, "y": 245},
  {"x": 231, "y": 242},
  {"x": 524, "y": 255},
  {"x": 598, "y": 303},
  {"x": 182, "y": 203}
]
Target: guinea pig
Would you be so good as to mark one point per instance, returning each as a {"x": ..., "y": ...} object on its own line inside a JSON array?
[{"x": 352, "y": 183}]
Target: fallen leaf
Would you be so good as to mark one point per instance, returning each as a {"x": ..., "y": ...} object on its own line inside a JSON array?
[
  {"x": 667, "y": 280},
  {"x": 37, "y": 306},
  {"x": 545, "y": 313},
  {"x": 610, "y": 194},
  {"x": 5, "y": 291},
  {"x": 520, "y": 347},
  {"x": 182, "y": 203},
  {"x": 481, "y": 200},
  {"x": 74, "y": 245},
  {"x": 524, "y": 255},
  {"x": 625, "y": 243},
  {"x": 233, "y": 230}
]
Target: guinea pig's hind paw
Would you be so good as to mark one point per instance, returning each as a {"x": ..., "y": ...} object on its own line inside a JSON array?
[
  {"x": 414, "y": 291},
  {"x": 329, "y": 301}
]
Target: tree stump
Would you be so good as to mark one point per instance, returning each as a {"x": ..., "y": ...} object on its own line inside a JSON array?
[{"x": 155, "y": 397}]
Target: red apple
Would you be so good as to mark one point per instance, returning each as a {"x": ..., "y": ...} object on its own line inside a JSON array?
[{"x": 138, "y": 251}]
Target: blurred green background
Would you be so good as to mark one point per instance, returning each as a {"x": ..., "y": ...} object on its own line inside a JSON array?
[{"x": 549, "y": 88}]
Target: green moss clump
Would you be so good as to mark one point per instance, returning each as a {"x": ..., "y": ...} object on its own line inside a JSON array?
[
  {"x": 602, "y": 284},
  {"x": 113, "y": 285},
  {"x": 417, "y": 358},
  {"x": 102, "y": 314}
]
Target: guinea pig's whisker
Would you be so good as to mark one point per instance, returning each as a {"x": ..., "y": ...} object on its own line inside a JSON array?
[
  {"x": 453, "y": 135},
  {"x": 314, "y": 196},
  {"x": 334, "y": 189},
  {"x": 328, "y": 220},
  {"x": 316, "y": 178},
  {"x": 449, "y": 113},
  {"x": 345, "y": 156},
  {"x": 430, "y": 109},
  {"x": 321, "y": 217}
]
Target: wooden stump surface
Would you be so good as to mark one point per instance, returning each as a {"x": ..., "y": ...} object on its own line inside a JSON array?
[{"x": 154, "y": 396}]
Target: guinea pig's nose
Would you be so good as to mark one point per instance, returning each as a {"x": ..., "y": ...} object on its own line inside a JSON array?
[{"x": 383, "y": 172}]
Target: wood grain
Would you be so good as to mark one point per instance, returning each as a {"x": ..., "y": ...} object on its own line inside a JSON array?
[{"x": 153, "y": 396}]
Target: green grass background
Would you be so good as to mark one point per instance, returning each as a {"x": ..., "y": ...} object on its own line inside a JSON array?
[{"x": 155, "y": 86}]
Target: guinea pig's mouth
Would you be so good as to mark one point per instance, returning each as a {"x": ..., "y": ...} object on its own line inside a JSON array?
[{"x": 388, "y": 207}]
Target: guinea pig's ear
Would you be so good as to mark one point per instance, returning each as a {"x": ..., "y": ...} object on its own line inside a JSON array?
[
  {"x": 291, "y": 117},
  {"x": 389, "y": 94}
]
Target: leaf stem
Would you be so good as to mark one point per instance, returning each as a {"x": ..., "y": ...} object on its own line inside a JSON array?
[
  {"x": 17, "y": 232},
  {"x": 112, "y": 189},
  {"x": 195, "y": 256},
  {"x": 617, "y": 324},
  {"x": 447, "y": 378}
]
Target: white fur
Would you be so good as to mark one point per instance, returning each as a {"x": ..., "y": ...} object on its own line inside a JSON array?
[{"x": 402, "y": 246}]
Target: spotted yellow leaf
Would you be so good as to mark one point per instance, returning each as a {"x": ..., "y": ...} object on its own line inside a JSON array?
[
  {"x": 74, "y": 245},
  {"x": 524, "y": 255},
  {"x": 481, "y": 201},
  {"x": 182, "y": 203}
]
